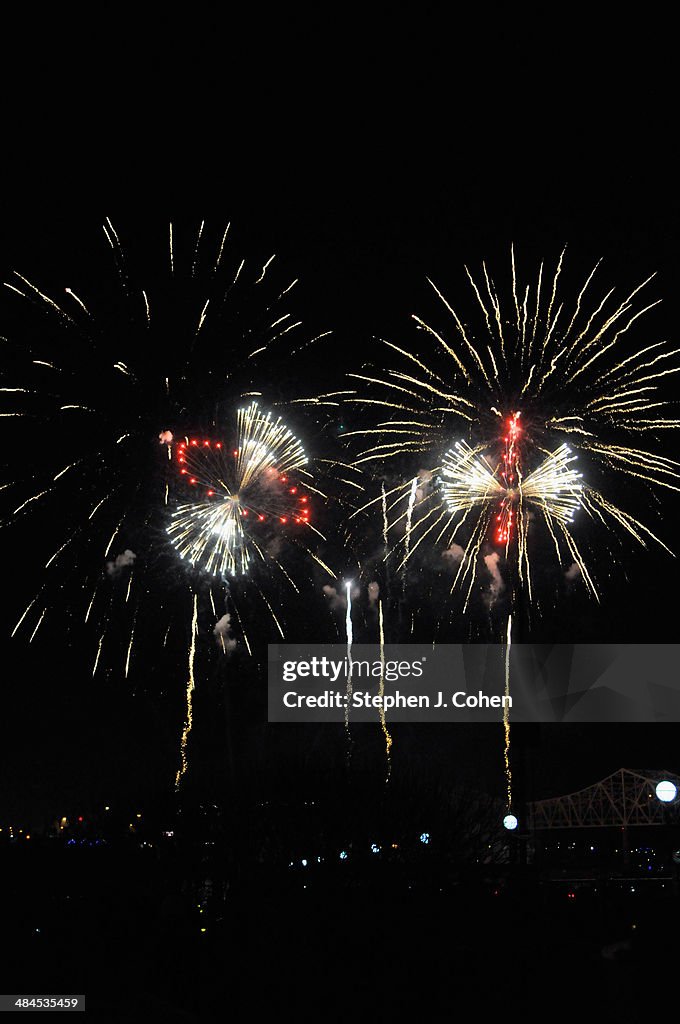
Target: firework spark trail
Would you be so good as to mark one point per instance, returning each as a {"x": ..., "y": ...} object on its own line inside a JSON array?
[
  {"x": 409, "y": 513},
  {"x": 38, "y": 625},
  {"x": 468, "y": 481},
  {"x": 506, "y": 714},
  {"x": 98, "y": 654},
  {"x": 271, "y": 612},
  {"x": 80, "y": 302},
  {"x": 25, "y": 613},
  {"x": 511, "y": 476},
  {"x": 188, "y": 722},
  {"x": 198, "y": 243},
  {"x": 350, "y": 641},
  {"x": 129, "y": 650},
  {"x": 243, "y": 629},
  {"x": 381, "y": 692}
]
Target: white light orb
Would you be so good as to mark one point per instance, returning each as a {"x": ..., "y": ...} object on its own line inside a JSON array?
[
  {"x": 510, "y": 822},
  {"x": 666, "y": 791}
]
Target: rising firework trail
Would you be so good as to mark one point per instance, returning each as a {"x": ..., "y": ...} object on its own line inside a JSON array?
[
  {"x": 191, "y": 686},
  {"x": 381, "y": 691},
  {"x": 506, "y": 715},
  {"x": 349, "y": 637}
]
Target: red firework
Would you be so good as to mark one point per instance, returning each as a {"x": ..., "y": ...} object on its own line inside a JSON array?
[
  {"x": 221, "y": 474},
  {"x": 510, "y": 476}
]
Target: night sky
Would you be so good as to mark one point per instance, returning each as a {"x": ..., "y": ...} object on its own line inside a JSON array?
[
  {"x": 361, "y": 229},
  {"x": 370, "y": 148}
]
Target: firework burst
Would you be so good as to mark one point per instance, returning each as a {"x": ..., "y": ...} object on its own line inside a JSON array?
[
  {"x": 502, "y": 413},
  {"x": 244, "y": 488},
  {"x": 91, "y": 384},
  {"x": 167, "y": 345},
  {"x": 504, "y": 501}
]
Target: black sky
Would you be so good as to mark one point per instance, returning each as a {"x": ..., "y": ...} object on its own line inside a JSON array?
[{"x": 360, "y": 210}]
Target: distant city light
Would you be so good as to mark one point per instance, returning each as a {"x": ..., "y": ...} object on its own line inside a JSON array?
[
  {"x": 510, "y": 822},
  {"x": 666, "y": 791}
]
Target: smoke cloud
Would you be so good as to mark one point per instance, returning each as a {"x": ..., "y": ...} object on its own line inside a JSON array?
[
  {"x": 453, "y": 556},
  {"x": 424, "y": 484},
  {"x": 121, "y": 562},
  {"x": 270, "y": 479},
  {"x": 222, "y": 633},
  {"x": 338, "y": 599},
  {"x": 497, "y": 586},
  {"x": 274, "y": 546},
  {"x": 165, "y": 437},
  {"x": 573, "y": 572},
  {"x": 373, "y": 592}
]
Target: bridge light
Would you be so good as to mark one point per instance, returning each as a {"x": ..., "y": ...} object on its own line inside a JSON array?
[{"x": 666, "y": 791}]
